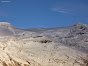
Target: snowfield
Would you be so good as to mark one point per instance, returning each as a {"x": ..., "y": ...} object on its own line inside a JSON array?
[{"x": 66, "y": 46}]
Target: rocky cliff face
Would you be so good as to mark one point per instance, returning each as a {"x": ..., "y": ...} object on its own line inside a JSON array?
[{"x": 67, "y": 46}]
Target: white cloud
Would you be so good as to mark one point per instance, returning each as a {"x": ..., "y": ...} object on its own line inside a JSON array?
[
  {"x": 75, "y": 9},
  {"x": 5, "y": 1},
  {"x": 61, "y": 10}
]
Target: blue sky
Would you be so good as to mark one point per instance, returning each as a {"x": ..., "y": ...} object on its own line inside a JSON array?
[{"x": 43, "y": 13}]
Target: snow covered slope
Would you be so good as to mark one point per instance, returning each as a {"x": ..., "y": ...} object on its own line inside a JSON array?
[{"x": 66, "y": 46}]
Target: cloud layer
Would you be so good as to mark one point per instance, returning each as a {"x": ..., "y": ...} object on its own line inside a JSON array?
[{"x": 79, "y": 9}]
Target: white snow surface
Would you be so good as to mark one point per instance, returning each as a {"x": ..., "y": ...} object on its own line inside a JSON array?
[{"x": 66, "y": 46}]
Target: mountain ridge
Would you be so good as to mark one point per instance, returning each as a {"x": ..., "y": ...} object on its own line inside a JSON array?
[
  {"x": 66, "y": 46},
  {"x": 9, "y": 24}
]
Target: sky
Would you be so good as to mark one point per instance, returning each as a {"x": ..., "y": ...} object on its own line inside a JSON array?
[{"x": 43, "y": 13}]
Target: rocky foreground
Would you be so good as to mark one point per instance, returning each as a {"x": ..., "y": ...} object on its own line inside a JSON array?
[{"x": 67, "y": 46}]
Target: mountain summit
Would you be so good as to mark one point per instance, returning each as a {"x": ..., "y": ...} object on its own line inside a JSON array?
[
  {"x": 80, "y": 24},
  {"x": 5, "y": 24},
  {"x": 66, "y": 46}
]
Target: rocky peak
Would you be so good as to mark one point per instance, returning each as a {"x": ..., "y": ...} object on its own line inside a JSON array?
[
  {"x": 5, "y": 24},
  {"x": 79, "y": 24}
]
